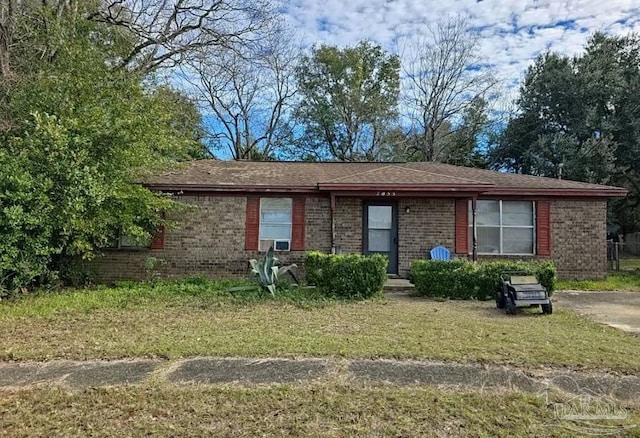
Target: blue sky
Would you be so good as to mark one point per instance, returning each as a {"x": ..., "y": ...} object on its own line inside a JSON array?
[{"x": 512, "y": 32}]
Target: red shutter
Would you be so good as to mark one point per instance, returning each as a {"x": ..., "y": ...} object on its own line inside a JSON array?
[
  {"x": 543, "y": 228},
  {"x": 297, "y": 225},
  {"x": 462, "y": 226},
  {"x": 157, "y": 242},
  {"x": 252, "y": 223}
]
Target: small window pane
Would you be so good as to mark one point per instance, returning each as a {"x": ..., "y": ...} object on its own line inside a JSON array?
[
  {"x": 275, "y": 218},
  {"x": 380, "y": 240},
  {"x": 275, "y": 210},
  {"x": 517, "y": 240},
  {"x": 517, "y": 213},
  {"x": 488, "y": 213},
  {"x": 275, "y": 231},
  {"x": 488, "y": 240},
  {"x": 380, "y": 216}
]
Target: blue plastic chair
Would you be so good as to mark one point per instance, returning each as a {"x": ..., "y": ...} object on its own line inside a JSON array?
[{"x": 440, "y": 253}]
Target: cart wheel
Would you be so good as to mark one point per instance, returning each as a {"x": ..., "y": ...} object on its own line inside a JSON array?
[
  {"x": 547, "y": 309},
  {"x": 500, "y": 301},
  {"x": 510, "y": 307}
]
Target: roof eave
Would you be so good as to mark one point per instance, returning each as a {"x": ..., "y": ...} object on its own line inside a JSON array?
[
  {"x": 228, "y": 188},
  {"x": 613, "y": 192},
  {"x": 477, "y": 188},
  {"x": 483, "y": 189}
]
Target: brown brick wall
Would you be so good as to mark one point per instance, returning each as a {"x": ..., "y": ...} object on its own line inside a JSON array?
[
  {"x": 578, "y": 238},
  {"x": 210, "y": 239},
  {"x": 317, "y": 224},
  {"x": 348, "y": 222},
  {"x": 429, "y": 223}
]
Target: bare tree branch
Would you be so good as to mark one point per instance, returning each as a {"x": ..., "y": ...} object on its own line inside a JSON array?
[
  {"x": 171, "y": 32},
  {"x": 445, "y": 78},
  {"x": 248, "y": 94}
]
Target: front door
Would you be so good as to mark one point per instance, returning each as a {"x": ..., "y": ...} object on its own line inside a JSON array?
[{"x": 380, "y": 231}]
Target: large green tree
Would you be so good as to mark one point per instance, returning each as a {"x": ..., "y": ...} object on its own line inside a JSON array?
[
  {"x": 77, "y": 135},
  {"x": 348, "y": 102},
  {"x": 579, "y": 118}
]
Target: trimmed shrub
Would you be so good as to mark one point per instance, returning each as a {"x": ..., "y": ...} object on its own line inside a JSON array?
[
  {"x": 352, "y": 276},
  {"x": 464, "y": 280},
  {"x": 313, "y": 261},
  {"x": 545, "y": 272}
]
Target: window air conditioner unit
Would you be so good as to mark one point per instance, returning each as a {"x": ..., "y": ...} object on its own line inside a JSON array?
[{"x": 277, "y": 245}]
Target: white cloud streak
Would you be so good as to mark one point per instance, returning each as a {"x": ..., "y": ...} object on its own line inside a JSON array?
[{"x": 512, "y": 32}]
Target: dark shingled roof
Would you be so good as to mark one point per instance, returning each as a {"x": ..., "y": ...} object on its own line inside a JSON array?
[{"x": 273, "y": 175}]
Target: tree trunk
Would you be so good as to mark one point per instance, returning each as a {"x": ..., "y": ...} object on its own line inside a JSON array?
[{"x": 7, "y": 8}]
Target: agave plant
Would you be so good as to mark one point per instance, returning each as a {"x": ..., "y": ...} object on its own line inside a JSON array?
[{"x": 268, "y": 272}]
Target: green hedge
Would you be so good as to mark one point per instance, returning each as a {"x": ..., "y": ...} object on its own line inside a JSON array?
[
  {"x": 463, "y": 280},
  {"x": 348, "y": 276}
]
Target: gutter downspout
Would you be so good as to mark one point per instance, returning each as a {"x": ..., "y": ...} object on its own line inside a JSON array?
[
  {"x": 333, "y": 221},
  {"x": 474, "y": 229}
]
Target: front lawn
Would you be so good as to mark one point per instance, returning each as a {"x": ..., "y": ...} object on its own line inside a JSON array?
[
  {"x": 623, "y": 281},
  {"x": 199, "y": 318},
  {"x": 313, "y": 410}
]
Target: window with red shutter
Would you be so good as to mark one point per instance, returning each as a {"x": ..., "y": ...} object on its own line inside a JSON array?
[
  {"x": 275, "y": 222},
  {"x": 504, "y": 227}
]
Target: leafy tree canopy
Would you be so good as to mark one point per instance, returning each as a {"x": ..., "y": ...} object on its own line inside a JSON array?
[
  {"x": 348, "y": 101},
  {"x": 579, "y": 118},
  {"x": 77, "y": 135}
]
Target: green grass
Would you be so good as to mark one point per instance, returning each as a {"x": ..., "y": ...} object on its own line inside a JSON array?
[
  {"x": 201, "y": 318},
  {"x": 314, "y": 410},
  {"x": 630, "y": 264},
  {"x": 198, "y": 291},
  {"x": 621, "y": 281}
]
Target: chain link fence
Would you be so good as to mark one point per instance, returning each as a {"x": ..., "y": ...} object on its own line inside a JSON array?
[{"x": 623, "y": 253}]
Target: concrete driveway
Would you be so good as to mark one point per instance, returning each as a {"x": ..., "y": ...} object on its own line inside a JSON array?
[{"x": 617, "y": 309}]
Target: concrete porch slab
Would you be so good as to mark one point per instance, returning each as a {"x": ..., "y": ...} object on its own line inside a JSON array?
[{"x": 393, "y": 285}]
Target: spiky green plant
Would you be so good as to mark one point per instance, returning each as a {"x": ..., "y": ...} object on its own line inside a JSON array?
[{"x": 268, "y": 271}]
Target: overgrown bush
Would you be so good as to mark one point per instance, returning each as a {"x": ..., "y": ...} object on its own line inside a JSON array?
[
  {"x": 463, "y": 280},
  {"x": 346, "y": 275}
]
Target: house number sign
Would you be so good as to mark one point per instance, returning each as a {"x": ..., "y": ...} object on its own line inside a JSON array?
[{"x": 386, "y": 193}]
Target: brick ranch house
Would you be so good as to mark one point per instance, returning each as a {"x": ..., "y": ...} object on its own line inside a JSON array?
[{"x": 398, "y": 209}]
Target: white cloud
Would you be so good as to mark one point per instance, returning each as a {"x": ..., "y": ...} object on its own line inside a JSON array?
[{"x": 513, "y": 32}]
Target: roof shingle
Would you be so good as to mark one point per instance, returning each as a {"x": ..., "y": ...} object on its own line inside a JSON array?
[{"x": 218, "y": 175}]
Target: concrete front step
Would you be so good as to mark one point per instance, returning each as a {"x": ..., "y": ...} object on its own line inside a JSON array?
[{"x": 398, "y": 285}]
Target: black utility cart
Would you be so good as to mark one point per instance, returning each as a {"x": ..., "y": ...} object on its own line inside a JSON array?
[{"x": 522, "y": 290}]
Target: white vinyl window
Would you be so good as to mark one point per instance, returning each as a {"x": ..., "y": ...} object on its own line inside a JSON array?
[
  {"x": 504, "y": 227},
  {"x": 275, "y": 224}
]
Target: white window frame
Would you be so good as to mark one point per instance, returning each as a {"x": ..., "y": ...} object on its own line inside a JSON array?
[
  {"x": 501, "y": 227},
  {"x": 274, "y": 241}
]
